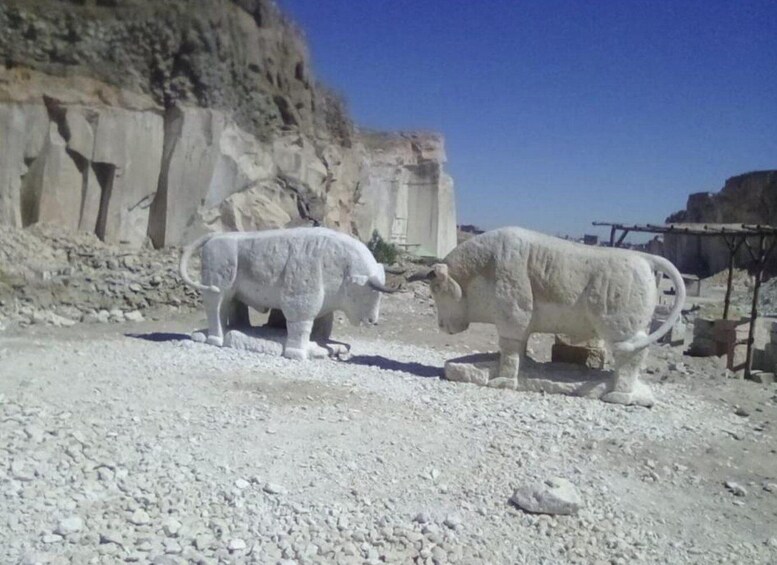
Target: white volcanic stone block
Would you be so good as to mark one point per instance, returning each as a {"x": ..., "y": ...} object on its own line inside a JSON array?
[
  {"x": 191, "y": 150},
  {"x": 267, "y": 341},
  {"x": 134, "y": 170},
  {"x": 24, "y": 129},
  {"x": 476, "y": 369},
  {"x": 53, "y": 186},
  {"x": 405, "y": 194},
  {"x": 551, "y": 378}
]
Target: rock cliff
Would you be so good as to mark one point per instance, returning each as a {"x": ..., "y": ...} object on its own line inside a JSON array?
[
  {"x": 750, "y": 198},
  {"x": 405, "y": 193},
  {"x": 141, "y": 120}
]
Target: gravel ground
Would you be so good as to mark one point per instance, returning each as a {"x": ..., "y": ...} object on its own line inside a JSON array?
[{"x": 129, "y": 442}]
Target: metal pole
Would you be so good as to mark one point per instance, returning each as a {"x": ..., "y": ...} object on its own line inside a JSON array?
[
  {"x": 612, "y": 236},
  {"x": 759, "y": 268}
]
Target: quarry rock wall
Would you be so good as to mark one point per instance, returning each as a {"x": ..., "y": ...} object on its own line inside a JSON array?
[
  {"x": 152, "y": 123},
  {"x": 750, "y": 198},
  {"x": 405, "y": 192}
]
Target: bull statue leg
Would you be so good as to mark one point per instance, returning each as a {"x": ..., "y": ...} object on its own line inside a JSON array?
[
  {"x": 322, "y": 326},
  {"x": 513, "y": 338},
  {"x": 224, "y": 312},
  {"x": 297, "y": 339},
  {"x": 214, "y": 308},
  {"x": 626, "y": 388},
  {"x": 513, "y": 328},
  {"x": 298, "y": 344},
  {"x": 320, "y": 334},
  {"x": 512, "y": 353},
  {"x": 219, "y": 268}
]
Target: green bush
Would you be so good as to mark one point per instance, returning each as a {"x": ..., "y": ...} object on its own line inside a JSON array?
[{"x": 383, "y": 251}]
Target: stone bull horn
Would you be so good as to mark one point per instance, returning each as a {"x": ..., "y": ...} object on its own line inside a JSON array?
[{"x": 375, "y": 284}]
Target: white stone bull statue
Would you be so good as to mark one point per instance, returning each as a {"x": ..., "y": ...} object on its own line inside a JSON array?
[
  {"x": 306, "y": 273},
  {"x": 525, "y": 282}
]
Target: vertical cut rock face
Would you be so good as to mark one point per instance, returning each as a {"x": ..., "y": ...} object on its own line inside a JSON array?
[
  {"x": 405, "y": 192},
  {"x": 143, "y": 120},
  {"x": 750, "y": 198}
]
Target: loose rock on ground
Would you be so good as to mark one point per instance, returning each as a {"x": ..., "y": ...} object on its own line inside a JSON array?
[{"x": 129, "y": 442}]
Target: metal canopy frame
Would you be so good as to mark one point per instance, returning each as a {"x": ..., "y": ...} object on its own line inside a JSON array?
[{"x": 734, "y": 236}]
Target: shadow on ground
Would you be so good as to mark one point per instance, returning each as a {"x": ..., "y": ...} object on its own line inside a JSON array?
[
  {"x": 160, "y": 336},
  {"x": 417, "y": 369}
]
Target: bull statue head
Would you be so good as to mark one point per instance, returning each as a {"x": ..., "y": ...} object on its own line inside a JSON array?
[
  {"x": 364, "y": 292},
  {"x": 452, "y": 316}
]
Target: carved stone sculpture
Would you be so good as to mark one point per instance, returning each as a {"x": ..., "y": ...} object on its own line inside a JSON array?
[
  {"x": 526, "y": 282},
  {"x": 306, "y": 273}
]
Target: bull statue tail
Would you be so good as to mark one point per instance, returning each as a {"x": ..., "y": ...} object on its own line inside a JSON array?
[
  {"x": 184, "y": 265},
  {"x": 642, "y": 340}
]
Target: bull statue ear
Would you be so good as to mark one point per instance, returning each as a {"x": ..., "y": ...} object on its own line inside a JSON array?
[
  {"x": 444, "y": 282},
  {"x": 361, "y": 280},
  {"x": 440, "y": 271}
]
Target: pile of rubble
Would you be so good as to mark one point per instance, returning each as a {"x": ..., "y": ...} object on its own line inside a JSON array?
[{"x": 52, "y": 277}]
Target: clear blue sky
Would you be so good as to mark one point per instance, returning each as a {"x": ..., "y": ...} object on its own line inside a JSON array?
[{"x": 558, "y": 113}]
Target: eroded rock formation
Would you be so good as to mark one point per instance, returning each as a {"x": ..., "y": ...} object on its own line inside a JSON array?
[
  {"x": 750, "y": 198},
  {"x": 147, "y": 121}
]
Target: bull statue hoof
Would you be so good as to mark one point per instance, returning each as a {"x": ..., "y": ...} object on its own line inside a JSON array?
[
  {"x": 295, "y": 353},
  {"x": 215, "y": 340},
  {"x": 640, "y": 396},
  {"x": 199, "y": 337},
  {"x": 339, "y": 351},
  {"x": 504, "y": 382},
  {"x": 315, "y": 351}
]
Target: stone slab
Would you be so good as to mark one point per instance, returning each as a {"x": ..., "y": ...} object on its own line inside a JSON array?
[
  {"x": 268, "y": 341},
  {"x": 551, "y": 378}
]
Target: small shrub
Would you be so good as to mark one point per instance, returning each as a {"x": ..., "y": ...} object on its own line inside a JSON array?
[{"x": 383, "y": 251}]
